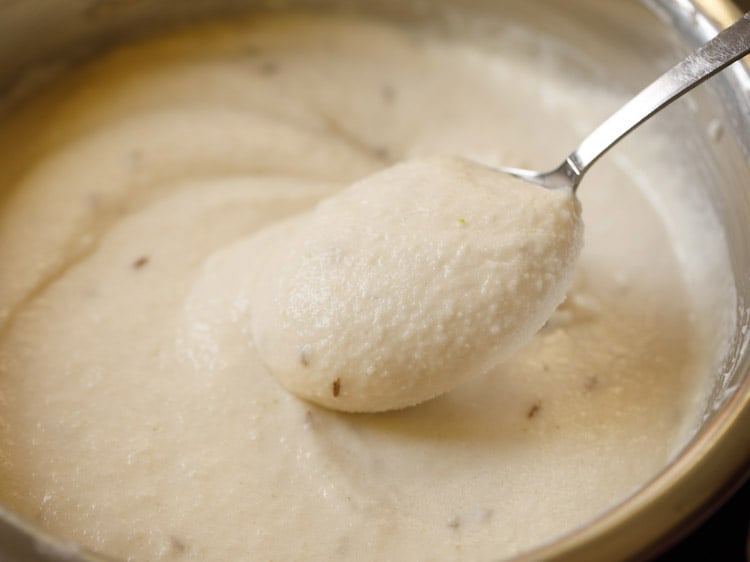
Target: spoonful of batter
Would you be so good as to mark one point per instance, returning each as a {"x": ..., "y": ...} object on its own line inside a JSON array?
[{"x": 414, "y": 279}]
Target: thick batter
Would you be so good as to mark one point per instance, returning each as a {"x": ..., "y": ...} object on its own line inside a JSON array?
[
  {"x": 134, "y": 422},
  {"x": 402, "y": 286}
]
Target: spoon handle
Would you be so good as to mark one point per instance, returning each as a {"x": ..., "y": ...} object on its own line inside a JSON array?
[{"x": 727, "y": 47}]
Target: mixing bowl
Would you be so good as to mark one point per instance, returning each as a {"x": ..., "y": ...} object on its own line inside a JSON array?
[{"x": 633, "y": 42}]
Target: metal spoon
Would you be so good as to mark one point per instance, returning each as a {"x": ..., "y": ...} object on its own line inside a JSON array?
[{"x": 727, "y": 47}]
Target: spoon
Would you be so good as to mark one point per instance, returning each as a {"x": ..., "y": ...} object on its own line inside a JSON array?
[
  {"x": 726, "y": 48},
  {"x": 425, "y": 274}
]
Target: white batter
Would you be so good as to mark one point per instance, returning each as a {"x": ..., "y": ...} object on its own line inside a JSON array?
[
  {"x": 402, "y": 286},
  {"x": 137, "y": 417}
]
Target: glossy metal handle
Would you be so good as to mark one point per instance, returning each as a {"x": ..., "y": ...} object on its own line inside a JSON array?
[{"x": 727, "y": 47}]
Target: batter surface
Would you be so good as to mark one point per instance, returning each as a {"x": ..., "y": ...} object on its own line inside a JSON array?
[{"x": 132, "y": 422}]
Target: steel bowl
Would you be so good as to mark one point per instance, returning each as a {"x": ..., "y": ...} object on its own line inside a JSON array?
[{"x": 635, "y": 42}]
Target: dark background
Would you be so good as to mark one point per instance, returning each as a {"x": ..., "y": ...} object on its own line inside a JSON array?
[{"x": 725, "y": 537}]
